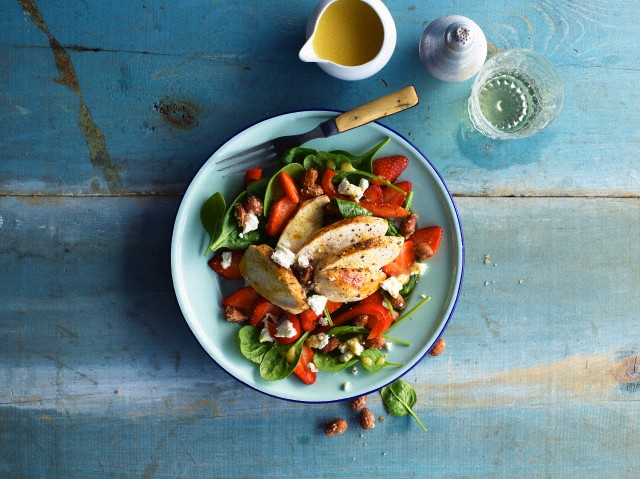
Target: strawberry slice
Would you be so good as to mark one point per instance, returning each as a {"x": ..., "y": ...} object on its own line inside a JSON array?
[
  {"x": 373, "y": 193},
  {"x": 393, "y": 197},
  {"x": 430, "y": 236},
  {"x": 252, "y": 174},
  {"x": 302, "y": 368},
  {"x": 261, "y": 308},
  {"x": 243, "y": 299},
  {"x": 403, "y": 262},
  {"x": 389, "y": 167},
  {"x": 232, "y": 271}
]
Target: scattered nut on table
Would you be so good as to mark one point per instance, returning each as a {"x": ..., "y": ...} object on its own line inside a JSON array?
[
  {"x": 335, "y": 427},
  {"x": 438, "y": 347},
  {"x": 367, "y": 420}
]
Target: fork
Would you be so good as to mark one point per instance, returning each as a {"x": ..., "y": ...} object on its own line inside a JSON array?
[{"x": 270, "y": 151}]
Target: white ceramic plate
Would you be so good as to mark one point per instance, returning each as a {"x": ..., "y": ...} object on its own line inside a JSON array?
[{"x": 200, "y": 291}]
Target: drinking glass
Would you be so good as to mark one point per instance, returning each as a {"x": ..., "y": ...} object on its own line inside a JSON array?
[{"x": 515, "y": 94}]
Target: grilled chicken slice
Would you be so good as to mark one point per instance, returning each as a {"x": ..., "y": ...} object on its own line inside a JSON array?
[
  {"x": 344, "y": 285},
  {"x": 372, "y": 253},
  {"x": 338, "y": 235},
  {"x": 307, "y": 220},
  {"x": 272, "y": 281}
]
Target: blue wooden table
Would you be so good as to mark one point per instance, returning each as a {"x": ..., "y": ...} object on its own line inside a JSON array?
[{"x": 109, "y": 109}]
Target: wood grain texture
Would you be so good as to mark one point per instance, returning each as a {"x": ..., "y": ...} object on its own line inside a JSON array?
[
  {"x": 103, "y": 378},
  {"x": 165, "y": 90},
  {"x": 111, "y": 107}
]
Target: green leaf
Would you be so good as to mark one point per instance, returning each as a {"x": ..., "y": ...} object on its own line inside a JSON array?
[
  {"x": 349, "y": 209},
  {"x": 250, "y": 345},
  {"x": 331, "y": 362},
  {"x": 373, "y": 360},
  {"x": 409, "y": 285},
  {"x": 229, "y": 234},
  {"x": 212, "y": 216},
  {"x": 392, "y": 229},
  {"x": 399, "y": 398},
  {"x": 362, "y": 162},
  {"x": 296, "y": 155},
  {"x": 279, "y": 361},
  {"x": 347, "y": 331},
  {"x": 274, "y": 191}
]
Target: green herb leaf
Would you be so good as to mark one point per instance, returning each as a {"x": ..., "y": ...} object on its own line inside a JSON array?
[
  {"x": 373, "y": 360},
  {"x": 399, "y": 398},
  {"x": 281, "y": 360},
  {"x": 349, "y": 209},
  {"x": 409, "y": 285},
  {"x": 363, "y": 162},
  {"x": 331, "y": 362},
  {"x": 250, "y": 345},
  {"x": 409, "y": 313},
  {"x": 347, "y": 331},
  {"x": 212, "y": 215}
]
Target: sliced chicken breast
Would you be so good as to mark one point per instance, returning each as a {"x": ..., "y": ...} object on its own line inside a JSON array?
[
  {"x": 272, "y": 281},
  {"x": 345, "y": 285},
  {"x": 307, "y": 220},
  {"x": 372, "y": 253}
]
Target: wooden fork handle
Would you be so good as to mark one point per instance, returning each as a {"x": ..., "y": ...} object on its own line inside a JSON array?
[{"x": 383, "y": 106}]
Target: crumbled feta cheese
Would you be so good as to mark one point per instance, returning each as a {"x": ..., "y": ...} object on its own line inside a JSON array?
[
  {"x": 354, "y": 370},
  {"x": 317, "y": 303},
  {"x": 392, "y": 286},
  {"x": 355, "y": 191},
  {"x": 251, "y": 224},
  {"x": 226, "y": 259},
  {"x": 283, "y": 256},
  {"x": 318, "y": 341},
  {"x": 312, "y": 367},
  {"x": 303, "y": 260},
  {"x": 323, "y": 321},
  {"x": 346, "y": 386},
  {"x": 265, "y": 336},
  {"x": 350, "y": 348},
  {"x": 419, "y": 268},
  {"x": 388, "y": 345},
  {"x": 285, "y": 330}
]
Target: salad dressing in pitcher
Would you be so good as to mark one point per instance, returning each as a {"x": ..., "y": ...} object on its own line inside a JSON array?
[{"x": 349, "y": 33}]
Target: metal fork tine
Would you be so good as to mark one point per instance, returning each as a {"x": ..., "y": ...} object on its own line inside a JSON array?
[
  {"x": 261, "y": 161},
  {"x": 261, "y": 146},
  {"x": 255, "y": 158}
]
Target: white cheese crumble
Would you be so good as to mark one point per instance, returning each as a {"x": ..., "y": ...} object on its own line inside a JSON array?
[
  {"x": 303, "y": 260},
  {"x": 265, "y": 336},
  {"x": 251, "y": 224},
  {"x": 355, "y": 191},
  {"x": 392, "y": 286},
  {"x": 285, "y": 330},
  {"x": 318, "y": 341},
  {"x": 350, "y": 348},
  {"x": 388, "y": 345},
  {"x": 346, "y": 386},
  {"x": 312, "y": 367},
  {"x": 323, "y": 321},
  {"x": 317, "y": 303},
  {"x": 419, "y": 268},
  {"x": 226, "y": 259},
  {"x": 283, "y": 256}
]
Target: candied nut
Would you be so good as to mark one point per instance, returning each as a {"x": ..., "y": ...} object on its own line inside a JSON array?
[
  {"x": 253, "y": 205},
  {"x": 408, "y": 226},
  {"x": 398, "y": 302},
  {"x": 358, "y": 403},
  {"x": 422, "y": 250},
  {"x": 310, "y": 177},
  {"x": 438, "y": 347},
  {"x": 312, "y": 191},
  {"x": 375, "y": 343},
  {"x": 304, "y": 275},
  {"x": 234, "y": 315},
  {"x": 241, "y": 214},
  {"x": 367, "y": 420},
  {"x": 335, "y": 427},
  {"x": 361, "y": 320},
  {"x": 331, "y": 345}
]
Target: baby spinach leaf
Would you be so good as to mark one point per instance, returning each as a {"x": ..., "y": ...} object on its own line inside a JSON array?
[
  {"x": 349, "y": 209},
  {"x": 362, "y": 162},
  {"x": 373, "y": 360},
  {"x": 296, "y": 155},
  {"x": 274, "y": 191},
  {"x": 258, "y": 188},
  {"x": 281, "y": 360},
  {"x": 392, "y": 229},
  {"x": 399, "y": 398},
  {"x": 229, "y": 231},
  {"x": 331, "y": 362},
  {"x": 212, "y": 216},
  {"x": 250, "y": 345}
]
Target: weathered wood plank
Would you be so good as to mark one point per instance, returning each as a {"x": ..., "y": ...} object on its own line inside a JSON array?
[
  {"x": 102, "y": 377},
  {"x": 164, "y": 90}
]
